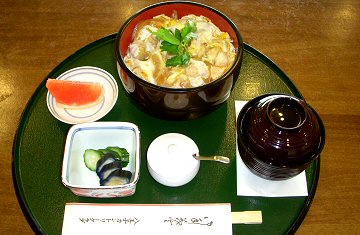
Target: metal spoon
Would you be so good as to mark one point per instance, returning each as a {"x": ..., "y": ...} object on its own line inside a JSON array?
[{"x": 222, "y": 159}]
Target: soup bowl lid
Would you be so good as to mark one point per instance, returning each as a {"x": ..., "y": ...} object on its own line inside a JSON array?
[{"x": 280, "y": 131}]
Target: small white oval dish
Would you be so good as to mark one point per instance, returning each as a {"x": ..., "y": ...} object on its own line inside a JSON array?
[{"x": 91, "y": 114}]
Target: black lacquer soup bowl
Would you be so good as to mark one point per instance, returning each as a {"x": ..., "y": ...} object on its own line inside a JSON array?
[{"x": 279, "y": 136}]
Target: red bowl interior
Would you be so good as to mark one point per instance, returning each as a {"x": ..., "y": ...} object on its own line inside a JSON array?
[{"x": 220, "y": 20}]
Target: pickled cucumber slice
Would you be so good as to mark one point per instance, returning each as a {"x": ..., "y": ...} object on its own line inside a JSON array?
[{"x": 91, "y": 157}]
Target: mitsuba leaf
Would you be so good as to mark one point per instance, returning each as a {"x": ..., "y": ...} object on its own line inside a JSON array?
[
  {"x": 167, "y": 35},
  {"x": 181, "y": 49},
  {"x": 171, "y": 48},
  {"x": 189, "y": 27},
  {"x": 185, "y": 58},
  {"x": 182, "y": 59},
  {"x": 187, "y": 39},
  {"x": 178, "y": 34},
  {"x": 176, "y": 43},
  {"x": 174, "y": 61}
]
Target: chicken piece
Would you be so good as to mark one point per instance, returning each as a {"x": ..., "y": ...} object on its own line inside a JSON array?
[
  {"x": 216, "y": 56},
  {"x": 198, "y": 72},
  {"x": 184, "y": 81},
  {"x": 180, "y": 81},
  {"x": 197, "y": 49},
  {"x": 160, "y": 68},
  {"x": 160, "y": 21},
  {"x": 197, "y": 68},
  {"x": 174, "y": 77},
  {"x": 221, "y": 59},
  {"x": 143, "y": 33},
  {"x": 139, "y": 51},
  {"x": 143, "y": 69},
  {"x": 197, "y": 81},
  {"x": 144, "y": 43},
  {"x": 216, "y": 72}
]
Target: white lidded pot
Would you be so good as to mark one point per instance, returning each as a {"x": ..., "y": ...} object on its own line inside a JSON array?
[{"x": 170, "y": 159}]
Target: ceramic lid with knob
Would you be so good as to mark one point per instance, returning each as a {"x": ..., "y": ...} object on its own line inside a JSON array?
[{"x": 170, "y": 159}]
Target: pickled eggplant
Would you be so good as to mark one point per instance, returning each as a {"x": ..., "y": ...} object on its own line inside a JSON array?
[
  {"x": 106, "y": 159},
  {"x": 117, "y": 177},
  {"x": 119, "y": 153},
  {"x": 108, "y": 164},
  {"x": 107, "y": 169}
]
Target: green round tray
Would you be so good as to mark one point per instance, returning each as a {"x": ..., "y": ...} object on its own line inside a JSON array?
[{"x": 40, "y": 140}]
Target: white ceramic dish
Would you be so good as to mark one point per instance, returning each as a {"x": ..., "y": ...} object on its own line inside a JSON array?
[
  {"x": 96, "y": 135},
  {"x": 170, "y": 159},
  {"x": 91, "y": 114}
]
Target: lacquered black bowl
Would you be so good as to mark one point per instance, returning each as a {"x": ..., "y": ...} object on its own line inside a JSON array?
[
  {"x": 279, "y": 136},
  {"x": 178, "y": 103}
]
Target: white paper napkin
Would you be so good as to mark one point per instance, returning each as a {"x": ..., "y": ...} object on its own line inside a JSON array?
[{"x": 249, "y": 184}]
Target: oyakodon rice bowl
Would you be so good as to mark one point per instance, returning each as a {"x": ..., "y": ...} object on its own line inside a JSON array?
[
  {"x": 209, "y": 52},
  {"x": 179, "y": 60}
]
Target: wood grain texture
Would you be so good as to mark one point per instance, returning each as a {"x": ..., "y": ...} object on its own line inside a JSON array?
[{"x": 316, "y": 43}]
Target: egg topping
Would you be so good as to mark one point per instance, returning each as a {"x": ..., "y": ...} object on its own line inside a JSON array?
[{"x": 211, "y": 53}]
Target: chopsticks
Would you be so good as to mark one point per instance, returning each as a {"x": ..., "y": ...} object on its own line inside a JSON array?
[{"x": 246, "y": 217}]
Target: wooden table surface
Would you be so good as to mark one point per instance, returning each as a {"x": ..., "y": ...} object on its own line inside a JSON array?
[{"x": 316, "y": 43}]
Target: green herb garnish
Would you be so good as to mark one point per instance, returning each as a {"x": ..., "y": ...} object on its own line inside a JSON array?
[{"x": 177, "y": 43}]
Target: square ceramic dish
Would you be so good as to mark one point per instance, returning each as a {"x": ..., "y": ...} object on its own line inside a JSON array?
[{"x": 99, "y": 135}]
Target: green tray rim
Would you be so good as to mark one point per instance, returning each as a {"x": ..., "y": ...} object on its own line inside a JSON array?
[{"x": 36, "y": 227}]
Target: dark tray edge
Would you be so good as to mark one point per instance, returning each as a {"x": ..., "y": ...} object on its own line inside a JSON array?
[
  {"x": 15, "y": 174},
  {"x": 292, "y": 87}
]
